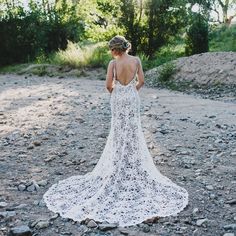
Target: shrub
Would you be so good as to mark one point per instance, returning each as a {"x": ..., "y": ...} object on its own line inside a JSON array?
[
  {"x": 197, "y": 36},
  {"x": 91, "y": 55},
  {"x": 166, "y": 72}
]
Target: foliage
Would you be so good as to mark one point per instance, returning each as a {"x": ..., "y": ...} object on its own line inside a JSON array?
[
  {"x": 164, "y": 20},
  {"x": 166, "y": 71},
  {"x": 151, "y": 24},
  {"x": 165, "y": 54},
  {"x": 100, "y": 18},
  {"x": 197, "y": 36},
  {"x": 77, "y": 56},
  {"x": 26, "y": 34},
  {"x": 223, "y": 39}
]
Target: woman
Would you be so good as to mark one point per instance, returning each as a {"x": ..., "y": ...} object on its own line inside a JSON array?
[{"x": 125, "y": 187}]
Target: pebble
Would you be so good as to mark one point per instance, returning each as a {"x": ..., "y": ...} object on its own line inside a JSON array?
[
  {"x": 3, "y": 204},
  {"x": 233, "y": 154},
  {"x": 42, "y": 224},
  {"x": 104, "y": 226},
  {"x": 37, "y": 143},
  {"x": 146, "y": 229},
  {"x": 21, "y": 206},
  {"x": 31, "y": 188},
  {"x": 42, "y": 183},
  {"x": 231, "y": 202},
  {"x": 201, "y": 221},
  {"x": 22, "y": 230},
  {"x": 21, "y": 187},
  {"x": 195, "y": 210},
  {"x": 230, "y": 226},
  {"x": 209, "y": 187},
  {"x": 7, "y": 214},
  {"x": 92, "y": 224},
  {"x": 228, "y": 234}
]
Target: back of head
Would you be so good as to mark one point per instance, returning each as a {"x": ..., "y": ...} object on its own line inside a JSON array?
[{"x": 120, "y": 44}]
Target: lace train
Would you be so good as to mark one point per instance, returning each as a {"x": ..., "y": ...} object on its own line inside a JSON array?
[{"x": 125, "y": 186}]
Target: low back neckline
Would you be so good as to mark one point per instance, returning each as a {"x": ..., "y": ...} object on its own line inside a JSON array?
[{"x": 115, "y": 74}]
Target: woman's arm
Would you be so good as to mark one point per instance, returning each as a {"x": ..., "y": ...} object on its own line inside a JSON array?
[
  {"x": 140, "y": 75},
  {"x": 109, "y": 76}
]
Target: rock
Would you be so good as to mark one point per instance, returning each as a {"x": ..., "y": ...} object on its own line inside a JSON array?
[
  {"x": 201, "y": 221},
  {"x": 228, "y": 234},
  {"x": 42, "y": 182},
  {"x": 37, "y": 143},
  {"x": 22, "y": 230},
  {"x": 30, "y": 147},
  {"x": 7, "y": 214},
  {"x": 146, "y": 229},
  {"x": 35, "y": 185},
  {"x": 195, "y": 210},
  {"x": 163, "y": 131},
  {"x": 209, "y": 187},
  {"x": 42, "y": 203},
  {"x": 231, "y": 202},
  {"x": 233, "y": 154},
  {"x": 124, "y": 231},
  {"x": 104, "y": 226},
  {"x": 21, "y": 187},
  {"x": 54, "y": 216},
  {"x": 92, "y": 224},
  {"x": 31, "y": 188},
  {"x": 3, "y": 204},
  {"x": 184, "y": 153},
  {"x": 21, "y": 206},
  {"x": 42, "y": 224},
  {"x": 230, "y": 226}
]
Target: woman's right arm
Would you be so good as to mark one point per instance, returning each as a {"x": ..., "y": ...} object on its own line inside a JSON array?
[{"x": 140, "y": 75}]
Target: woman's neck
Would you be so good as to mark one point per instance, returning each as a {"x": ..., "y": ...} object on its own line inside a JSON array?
[{"x": 122, "y": 55}]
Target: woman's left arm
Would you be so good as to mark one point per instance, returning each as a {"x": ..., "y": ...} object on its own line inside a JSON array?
[{"x": 109, "y": 76}]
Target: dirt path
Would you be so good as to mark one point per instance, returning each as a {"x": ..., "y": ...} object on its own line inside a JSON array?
[{"x": 53, "y": 128}]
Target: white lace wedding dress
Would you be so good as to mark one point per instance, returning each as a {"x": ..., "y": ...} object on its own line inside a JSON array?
[{"x": 125, "y": 186}]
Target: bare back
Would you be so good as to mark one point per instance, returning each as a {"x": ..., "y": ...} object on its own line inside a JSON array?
[{"x": 125, "y": 69}]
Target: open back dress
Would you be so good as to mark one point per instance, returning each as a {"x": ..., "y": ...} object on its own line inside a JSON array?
[{"x": 125, "y": 186}]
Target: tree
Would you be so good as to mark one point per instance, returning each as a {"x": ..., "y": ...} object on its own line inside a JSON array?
[
  {"x": 131, "y": 20},
  {"x": 164, "y": 19},
  {"x": 197, "y": 35}
]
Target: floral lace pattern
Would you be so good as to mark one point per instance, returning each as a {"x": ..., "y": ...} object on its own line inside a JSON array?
[{"x": 125, "y": 186}]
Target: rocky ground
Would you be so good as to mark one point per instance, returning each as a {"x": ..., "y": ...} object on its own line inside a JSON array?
[
  {"x": 55, "y": 127},
  {"x": 210, "y": 75}
]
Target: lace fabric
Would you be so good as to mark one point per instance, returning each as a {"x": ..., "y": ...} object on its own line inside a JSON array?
[{"x": 125, "y": 186}]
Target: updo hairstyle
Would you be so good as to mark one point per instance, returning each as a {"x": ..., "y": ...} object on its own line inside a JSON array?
[{"x": 120, "y": 44}]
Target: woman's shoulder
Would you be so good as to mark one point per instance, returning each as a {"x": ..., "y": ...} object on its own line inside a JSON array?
[
  {"x": 135, "y": 58},
  {"x": 111, "y": 62}
]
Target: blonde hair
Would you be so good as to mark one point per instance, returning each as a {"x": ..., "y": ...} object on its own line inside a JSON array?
[{"x": 119, "y": 43}]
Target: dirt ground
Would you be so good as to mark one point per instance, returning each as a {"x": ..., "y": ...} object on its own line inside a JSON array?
[{"x": 52, "y": 128}]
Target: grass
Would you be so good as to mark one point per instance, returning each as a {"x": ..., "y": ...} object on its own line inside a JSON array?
[
  {"x": 13, "y": 68},
  {"x": 223, "y": 39},
  {"x": 77, "y": 56},
  {"x": 165, "y": 54}
]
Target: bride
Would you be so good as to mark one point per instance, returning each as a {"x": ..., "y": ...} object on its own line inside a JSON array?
[{"x": 125, "y": 186}]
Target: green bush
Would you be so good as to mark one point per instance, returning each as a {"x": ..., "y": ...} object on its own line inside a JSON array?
[
  {"x": 197, "y": 36},
  {"x": 165, "y": 54},
  {"x": 222, "y": 39},
  {"x": 77, "y": 56},
  {"x": 25, "y": 35},
  {"x": 166, "y": 71}
]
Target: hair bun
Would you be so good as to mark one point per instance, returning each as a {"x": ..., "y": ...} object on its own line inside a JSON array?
[
  {"x": 125, "y": 44},
  {"x": 119, "y": 43}
]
